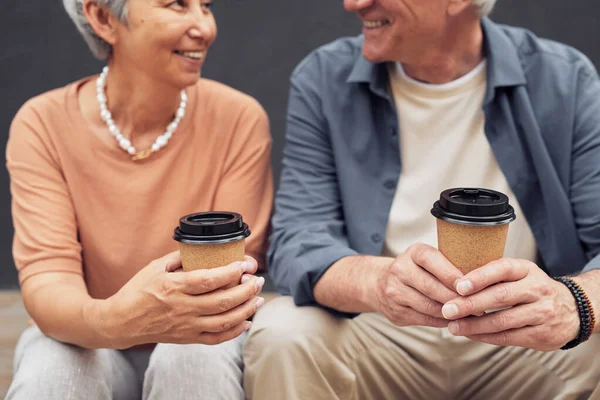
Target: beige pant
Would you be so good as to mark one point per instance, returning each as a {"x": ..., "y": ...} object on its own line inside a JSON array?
[{"x": 306, "y": 353}]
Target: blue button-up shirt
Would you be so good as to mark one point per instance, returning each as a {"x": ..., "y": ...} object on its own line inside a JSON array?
[{"x": 341, "y": 161}]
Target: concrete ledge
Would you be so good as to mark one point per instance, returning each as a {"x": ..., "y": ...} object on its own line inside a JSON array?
[{"x": 13, "y": 320}]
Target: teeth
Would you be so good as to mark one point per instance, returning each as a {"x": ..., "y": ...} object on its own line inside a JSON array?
[
  {"x": 193, "y": 54},
  {"x": 374, "y": 24}
]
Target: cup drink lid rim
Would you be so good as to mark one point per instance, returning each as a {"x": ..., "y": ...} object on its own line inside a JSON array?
[
  {"x": 213, "y": 227},
  {"x": 474, "y": 206}
]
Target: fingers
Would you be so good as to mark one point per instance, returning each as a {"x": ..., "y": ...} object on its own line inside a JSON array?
[
  {"x": 498, "y": 296},
  {"x": 253, "y": 265},
  {"x": 531, "y": 337},
  {"x": 500, "y": 321},
  {"x": 220, "y": 337},
  {"x": 427, "y": 284},
  {"x": 506, "y": 338},
  {"x": 171, "y": 261},
  {"x": 220, "y": 301},
  {"x": 227, "y": 320},
  {"x": 417, "y": 301},
  {"x": 404, "y": 316},
  {"x": 503, "y": 270},
  {"x": 434, "y": 262},
  {"x": 207, "y": 280}
]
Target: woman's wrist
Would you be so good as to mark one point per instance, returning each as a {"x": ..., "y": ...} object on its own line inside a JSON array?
[{"x": 100, "y": 317}]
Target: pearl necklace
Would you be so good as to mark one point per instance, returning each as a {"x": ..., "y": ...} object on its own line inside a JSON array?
[{"x": 124, "y": 143}]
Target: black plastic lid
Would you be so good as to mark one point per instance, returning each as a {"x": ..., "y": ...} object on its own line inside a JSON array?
[
  {"x": 211, "y": 228},
  {"x": 473, "y": 206}
]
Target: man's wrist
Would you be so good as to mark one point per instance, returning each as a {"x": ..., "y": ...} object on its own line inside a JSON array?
[
  {"x": 584, "y": 309},
  {"x": 368, "y": 290},
  {"x": 351, "y": 284},
  {"x": 590, "y": 283},
  {"x": 573, "y": 321}
]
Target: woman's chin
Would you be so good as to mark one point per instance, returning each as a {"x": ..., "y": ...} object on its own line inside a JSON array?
[{"x": 188, "y": 80}]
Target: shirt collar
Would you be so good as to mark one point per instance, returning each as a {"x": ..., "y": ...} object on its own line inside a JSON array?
[
  {"x": 375, "y": 74},
  {"x": 503, "y": 64}
]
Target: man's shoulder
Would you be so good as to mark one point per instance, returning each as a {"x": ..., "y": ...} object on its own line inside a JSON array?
[
  {"x": 339, "y": 55},
  {"x": 545, "y": 53}
]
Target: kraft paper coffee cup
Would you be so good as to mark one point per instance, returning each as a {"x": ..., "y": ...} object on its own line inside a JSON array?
[
  {"x": 211, "y": 239},
  {"x": 472, "y": 224}
]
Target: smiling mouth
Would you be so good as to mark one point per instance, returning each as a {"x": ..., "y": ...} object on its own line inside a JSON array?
[
  {"x": 194, "y": 55},
  {"x": 375, "y": 24}
]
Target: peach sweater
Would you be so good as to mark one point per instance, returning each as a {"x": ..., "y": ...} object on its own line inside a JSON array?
[{"x": 80, "y": 205}]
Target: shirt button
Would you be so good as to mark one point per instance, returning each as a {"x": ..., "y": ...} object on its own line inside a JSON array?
[
  {"x": 393, "y": 130},
  {"x": 390, "y": 184},
  {"x": 376, "y": 237}
]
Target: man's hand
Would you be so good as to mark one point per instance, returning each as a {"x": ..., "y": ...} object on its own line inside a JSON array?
[
  {"x": 541, "y": 314},
  {"x": 412, "y": 290}
]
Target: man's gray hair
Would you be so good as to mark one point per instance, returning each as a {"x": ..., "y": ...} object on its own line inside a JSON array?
[
  {"x": 97, "y": 45},
  {"x": 484, "y": 6}
]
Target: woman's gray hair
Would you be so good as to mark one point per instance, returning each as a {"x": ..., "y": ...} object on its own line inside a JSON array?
[
  {"x": 484, "y": 6},
  {"x": 97, "y": 45}
]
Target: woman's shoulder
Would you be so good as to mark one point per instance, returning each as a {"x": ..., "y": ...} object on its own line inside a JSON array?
[
  {"x": 40, "y": 120},
  {"x": 52, "y": 104},
  {"x": 219, "y": 96}
]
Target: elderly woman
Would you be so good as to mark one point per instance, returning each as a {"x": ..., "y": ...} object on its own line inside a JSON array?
[{"x": 101, "y": 171}]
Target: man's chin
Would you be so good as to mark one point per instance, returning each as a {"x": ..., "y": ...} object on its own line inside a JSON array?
[{"x": 373, "y": 56}]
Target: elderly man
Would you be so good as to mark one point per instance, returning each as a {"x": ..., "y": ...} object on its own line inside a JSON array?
[{"x": 432, "y": 96}]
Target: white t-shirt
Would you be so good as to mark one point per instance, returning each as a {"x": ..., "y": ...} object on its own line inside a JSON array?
[{"x": 443, "y": 145}]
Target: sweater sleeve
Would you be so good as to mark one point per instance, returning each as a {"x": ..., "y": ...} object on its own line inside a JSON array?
[
  {"x": 246, "y": 186},
  {"x": 45, "y": 236}
]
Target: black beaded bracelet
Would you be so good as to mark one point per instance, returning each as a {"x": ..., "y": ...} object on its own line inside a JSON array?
[{"x": 587, "y": 317}]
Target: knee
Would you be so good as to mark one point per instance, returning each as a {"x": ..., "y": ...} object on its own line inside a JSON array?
[
  {"x": 47, "y": 366},
  {"x": 169, "y": 360},
  {"x": 283, "y": 331},
  {"x": 183, "y": 371},
  {"x": 275, "y": 338}
]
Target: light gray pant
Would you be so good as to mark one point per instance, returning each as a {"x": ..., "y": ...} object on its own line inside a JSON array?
[{"x": 45, "y": 369}]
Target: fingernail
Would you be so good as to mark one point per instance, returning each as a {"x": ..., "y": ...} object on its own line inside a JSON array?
[
  {"x": 240, "y": 265},
  {"x": 453, "y": 328},
  {"x": 464, "y": 287},
  {"x": 246, "y": 266},
  {"x": 248, "y": 325},
  {"x": 259, "y": 283},
  {"x": 449, "y": 310},
  {"x": 260, "y": 302},
  {"x": 245, "y": 278}
]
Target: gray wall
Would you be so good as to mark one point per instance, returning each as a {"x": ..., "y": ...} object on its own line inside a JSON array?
[{"x": 259, "y": 43}]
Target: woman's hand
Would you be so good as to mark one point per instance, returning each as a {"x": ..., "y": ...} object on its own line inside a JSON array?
[{"x": 160, "y": 306}]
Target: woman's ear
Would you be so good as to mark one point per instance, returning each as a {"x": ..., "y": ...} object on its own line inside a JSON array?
[
  {"x": 455, "y": 7},
  {"x": 102, "y": 21}
]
